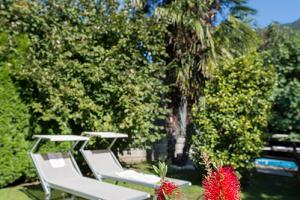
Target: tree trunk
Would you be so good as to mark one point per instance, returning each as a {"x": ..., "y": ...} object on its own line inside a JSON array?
[
  {"x": 179, "y": 154},
  {"x": 177, "y": 129}
]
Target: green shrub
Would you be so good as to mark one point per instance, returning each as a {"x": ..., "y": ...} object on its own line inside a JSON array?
[
  {"x": 14, "y": 122},
  {"x": 234, "y": 113},
  {"x": 91, "y": 69},
  {"x": 282, "y": 49}
]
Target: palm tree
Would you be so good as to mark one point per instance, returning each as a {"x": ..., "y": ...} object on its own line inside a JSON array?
[{"x": 193, "y": 54}]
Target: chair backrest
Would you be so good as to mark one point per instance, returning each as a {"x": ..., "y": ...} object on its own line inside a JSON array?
[
  {"x": 102, "y": 161},
  {"x": 55, "y": 166}
]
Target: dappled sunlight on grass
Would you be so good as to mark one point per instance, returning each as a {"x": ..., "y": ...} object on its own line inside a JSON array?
[{"x": 29, "y": 192}]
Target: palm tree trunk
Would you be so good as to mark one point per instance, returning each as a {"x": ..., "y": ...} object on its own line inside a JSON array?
[
  {"x": 180, "y": 137},
  {"x": 179, "y": 156}
]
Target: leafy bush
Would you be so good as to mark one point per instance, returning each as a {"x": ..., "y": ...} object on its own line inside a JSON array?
[
  {"x": 234, "y": 114},
  {"x": 282, "y": 49},
  {"x": 14, "y": 120},
  {"x": 92, "y": 67}
]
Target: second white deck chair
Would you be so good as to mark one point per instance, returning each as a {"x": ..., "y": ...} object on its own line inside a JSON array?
[
  {"x": 60, "y": 171},
  {"x": 105, "y": 165}
]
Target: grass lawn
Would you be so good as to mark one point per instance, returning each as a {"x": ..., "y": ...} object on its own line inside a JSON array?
[{"x": 261, "y": 187}]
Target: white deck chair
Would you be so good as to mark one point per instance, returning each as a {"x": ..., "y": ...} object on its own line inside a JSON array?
[
  {"x": 60, "y": 171},
  {"x": 105, "y": 165}
]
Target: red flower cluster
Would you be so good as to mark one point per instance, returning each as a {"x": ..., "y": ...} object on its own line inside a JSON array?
[
  {"x": 222, "y": 184},
  {"x": 166, "y": 189}
]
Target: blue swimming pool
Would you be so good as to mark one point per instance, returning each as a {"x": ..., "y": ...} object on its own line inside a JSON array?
[{"x": 291, "y": 165}]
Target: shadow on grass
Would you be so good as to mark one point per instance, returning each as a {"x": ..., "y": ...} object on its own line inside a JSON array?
[
  {"x": 265, "y": 186},
  {"x": 36, "y": 192}
]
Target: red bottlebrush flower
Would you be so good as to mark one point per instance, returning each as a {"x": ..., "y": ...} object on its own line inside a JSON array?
[
  {"x": 165, "y": 190},
  {"x": 222, "y": 184}
]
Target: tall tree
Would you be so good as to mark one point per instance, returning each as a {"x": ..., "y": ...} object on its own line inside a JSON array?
[
  {"x": 282, "y": 49},
  {"x": 91, "y": 67},
  {"x": 194, "y": 44},
  {"x": 14, "y": 122}
]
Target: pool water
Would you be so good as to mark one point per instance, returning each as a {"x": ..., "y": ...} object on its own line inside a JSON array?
[{"x": 289, "y": 165}]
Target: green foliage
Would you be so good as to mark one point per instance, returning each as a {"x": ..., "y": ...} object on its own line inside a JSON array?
[
  {"x": 235, "y": 33},
  {"x": 14, "y": 121},
  {"x": 234, "y": 113},
  {"x": 193, "y": 39},
  {"x": 91, "y": 67},
  {"x": 282, "y": 49},
  {"x": 190, "y": 47},
  {"x": 161, "y": 170}
]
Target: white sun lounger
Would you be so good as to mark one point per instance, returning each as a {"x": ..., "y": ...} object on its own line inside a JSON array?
[
  {"x": 60, "y": 171},
  {"x": 105, "y": 165}
]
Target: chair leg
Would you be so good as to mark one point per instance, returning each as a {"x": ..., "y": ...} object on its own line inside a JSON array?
[
  {"x": 48, "y": 196},
  {"x": 47, "y": 190}
]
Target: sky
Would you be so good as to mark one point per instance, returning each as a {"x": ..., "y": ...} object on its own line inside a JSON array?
[
  {"x": 282, "y": 11},
  {"x": 268, "y": 11}
]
